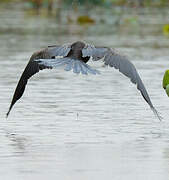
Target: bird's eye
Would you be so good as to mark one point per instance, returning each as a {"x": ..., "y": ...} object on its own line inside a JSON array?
[{"x": 53, "y": 57}]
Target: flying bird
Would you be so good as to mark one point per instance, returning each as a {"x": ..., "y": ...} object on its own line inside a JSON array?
[{"x": 75, "y": 57}]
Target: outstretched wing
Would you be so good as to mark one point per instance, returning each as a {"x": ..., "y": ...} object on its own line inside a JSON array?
[
  {"x": 95, "y": 52},
  {"x": 56, "y": 50},
  {"x": 32, "y": 68},
  {"x": 113, "y": 59}
]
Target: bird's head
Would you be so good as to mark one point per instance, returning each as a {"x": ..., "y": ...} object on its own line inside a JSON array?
[{"x": 78, "y": 45}]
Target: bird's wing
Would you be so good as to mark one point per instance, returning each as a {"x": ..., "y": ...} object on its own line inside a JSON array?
[
  {"x": 43, "y": 60},
  {"x": 63, "y": 50},
  {"x": 95, "y": 52},
  {"x": 32, "y": 68},
  {"x": 114, "y": 59}
]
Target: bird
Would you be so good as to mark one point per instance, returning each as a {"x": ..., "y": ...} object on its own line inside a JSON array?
[
  {"x": 166, "y": 82},
  {"x": 74, "y": 56}
]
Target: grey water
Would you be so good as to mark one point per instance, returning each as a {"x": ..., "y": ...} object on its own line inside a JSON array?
[{"x": 72, "y": 127}]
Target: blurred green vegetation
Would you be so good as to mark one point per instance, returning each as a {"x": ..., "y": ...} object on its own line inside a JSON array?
[
  {"x": 166, "y": 30},
  {"x": 140, "y": 3},
  {"x": 120, "y": 16},
  {"x": 55, "y": 8}
]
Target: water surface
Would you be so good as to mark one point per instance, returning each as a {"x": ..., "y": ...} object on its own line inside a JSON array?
[{"x": 73, "y": 127}]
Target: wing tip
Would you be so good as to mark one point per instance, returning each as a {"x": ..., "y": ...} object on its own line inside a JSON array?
[
  {"x": 7, "y": 114},
  {"x": 157, "y": 114}
]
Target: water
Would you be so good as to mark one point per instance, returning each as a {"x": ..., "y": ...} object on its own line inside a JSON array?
[{"x": 73, "y": 127}]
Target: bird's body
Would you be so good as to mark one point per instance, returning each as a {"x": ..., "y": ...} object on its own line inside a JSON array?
[
  {"x": 76, "y": 52},
  {"x": 75, "y": 57}
]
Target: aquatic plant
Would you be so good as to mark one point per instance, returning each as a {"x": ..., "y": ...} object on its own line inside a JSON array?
[
  {"x": 166, "y": 30},
  {"x": 166, "y": 81}
]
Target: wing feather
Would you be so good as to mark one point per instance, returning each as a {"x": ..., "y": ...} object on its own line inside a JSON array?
[
  {"x": 128, "y": 69},
  {"x": 95, "y": 52},
  {"x": 32, "y": 68},
  {"x": 114, "y": 59},
  {"x": 59, "y": 50},
  {"x": 78, "y": 66}
]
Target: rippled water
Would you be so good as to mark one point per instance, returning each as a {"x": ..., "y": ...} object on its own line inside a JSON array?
[{"x": 69, "y": 126}]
